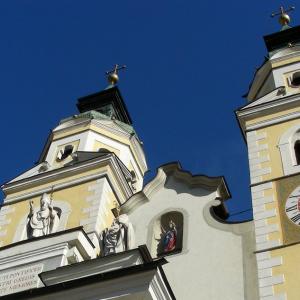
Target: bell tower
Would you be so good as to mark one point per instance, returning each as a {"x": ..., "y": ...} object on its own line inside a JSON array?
[
  {"x": 92, "y": 163},
  {"x": 270, "y": 123}
]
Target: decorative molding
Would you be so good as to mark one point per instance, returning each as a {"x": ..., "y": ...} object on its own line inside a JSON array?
[
  {"x": 259, "y": 160},
  {"x": 260, "y": 223},
  {"x": 47, "y": 247},
  {"x": 262, "y": 200},
  {"x": 267, "y": 245},
  {"x": 262, "y": 187},
  {"x": 265, "y": 273},
  {"x": 271, "y": 281},
  {"x": 255, "y": 158},
  {"x": 269, "y": 262},
  {"x": 245, "y": 113},
  {"x": 4, "y": 212},
  {"x": 275, "y": 297},
  {"x": 266, "y": 280},
  {"x": 274, "y": 121},
  {"x": 260, "y": 172},
  {"x": 266, "y": 214},
  {"x": 267, "y": 229},
  {"x": 174, "y": 169},
  {"x": 257, "y": 148},
  {"x": 67, "y": 172},
  {"x": 266, "y": 291},
  {"x": 256, "y": 137},
  {"x": 286, "y": 148},
  {"x": 115, "y": 129}
]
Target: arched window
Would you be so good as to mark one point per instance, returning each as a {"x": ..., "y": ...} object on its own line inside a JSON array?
[
  {"x": 168, "y": 233},
  {"x": 289, "y": 147},
  {"x": 297, "y": 151}
]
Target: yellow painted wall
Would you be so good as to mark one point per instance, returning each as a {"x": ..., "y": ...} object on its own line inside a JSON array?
[
  {"x": 274, "y": 133},
  {"x": 98, "y": 145},
  {"x": 49, "y": 182},
  {"x": 290, "y": 269},
  {"x": 86, "y": 127},
  {"x": 75, "y": 196},
  {"x": 285, "y": 62}
]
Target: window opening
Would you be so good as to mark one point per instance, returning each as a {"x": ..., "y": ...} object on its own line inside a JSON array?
[
  {"x": 297, "y": 151},
  {"x": 64, "y": 153}
]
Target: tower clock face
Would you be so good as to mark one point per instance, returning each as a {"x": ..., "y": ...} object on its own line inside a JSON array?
[{"x": 292, "y": 206}]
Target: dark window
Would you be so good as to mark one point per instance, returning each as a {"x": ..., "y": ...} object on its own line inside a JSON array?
[
  {"x": 296, "y": 79},
  {"x": 64, "y": 153},
  {"x": 67, "y": 151},
  {"x": 297, "y": 152}
]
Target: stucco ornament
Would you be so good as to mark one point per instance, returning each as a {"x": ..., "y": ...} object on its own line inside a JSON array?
[
  {"x": 44, "y": 220},
  {"x": 118, "y": 237}
]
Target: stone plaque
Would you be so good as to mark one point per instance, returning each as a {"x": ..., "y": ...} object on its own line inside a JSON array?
[{"x": 20, "y": 279}]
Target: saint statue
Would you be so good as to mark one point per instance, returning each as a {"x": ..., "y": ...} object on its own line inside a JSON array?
[
  {"x": 118, "y": 237},
  {"x": 43, "y": 221},
  {"x": 169, "y": 237}
]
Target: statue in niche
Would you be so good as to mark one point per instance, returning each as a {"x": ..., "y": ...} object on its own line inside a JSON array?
[
  {"x": 169, "y": 237},
  {"x": 43, "y": 221},
  {"x": 169, "y": 233},
  {"x": 118, "y": 237}
]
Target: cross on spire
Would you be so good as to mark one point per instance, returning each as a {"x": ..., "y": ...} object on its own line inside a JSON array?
[
  {"x": 284, "y": 18},
  {"x": 112, "y": 75}
]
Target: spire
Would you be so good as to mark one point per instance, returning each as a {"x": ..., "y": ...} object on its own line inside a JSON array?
[{"x": 284, "y": 18}]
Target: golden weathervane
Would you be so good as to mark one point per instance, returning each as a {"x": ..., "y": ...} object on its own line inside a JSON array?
[
  {"x": 284, "y": 18},
  {"x": 112, "y": 76}
]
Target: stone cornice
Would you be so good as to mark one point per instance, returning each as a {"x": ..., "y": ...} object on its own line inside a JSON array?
[
  {"x": 248, "y": 113},
  {"x": 267, "y": 67},
  {"x": 46, "y": 177}
]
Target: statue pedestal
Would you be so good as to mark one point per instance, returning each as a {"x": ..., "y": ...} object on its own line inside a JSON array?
[{"x": 22, "y": 262}]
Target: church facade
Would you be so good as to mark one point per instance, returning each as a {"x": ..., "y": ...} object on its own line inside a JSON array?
[{"x": 81, "y": 224}]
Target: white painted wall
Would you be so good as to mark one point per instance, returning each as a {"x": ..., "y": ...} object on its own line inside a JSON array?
[{"x": 212, "y": 262}]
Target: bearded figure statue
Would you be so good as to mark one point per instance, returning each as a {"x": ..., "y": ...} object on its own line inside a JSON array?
[
  {"x": 42, "y": 221},
  {"x": 118, "y": 237}
]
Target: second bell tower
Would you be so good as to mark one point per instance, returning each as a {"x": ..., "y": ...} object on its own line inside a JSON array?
[{"x": 270, "y": 123}]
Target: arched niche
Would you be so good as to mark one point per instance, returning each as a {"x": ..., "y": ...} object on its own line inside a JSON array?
[
  {"x": 289, "y": 147},
  {"x": 167, "y": 235}
]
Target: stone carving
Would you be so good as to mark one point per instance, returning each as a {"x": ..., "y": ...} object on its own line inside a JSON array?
[
  {"x": 118, "y": 237},
  {"x": 43, "y": 221}
]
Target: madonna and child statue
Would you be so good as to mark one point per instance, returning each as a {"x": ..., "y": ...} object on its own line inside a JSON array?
[{"x": 43, "y": 220}]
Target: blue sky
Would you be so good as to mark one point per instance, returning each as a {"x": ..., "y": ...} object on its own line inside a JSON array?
[{"x": 189, "y": 63}]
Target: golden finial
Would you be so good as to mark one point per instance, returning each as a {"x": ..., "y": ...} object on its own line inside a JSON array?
[
  {"x": 112, "y": 76},
  {"x": 284, "y": 18}
]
